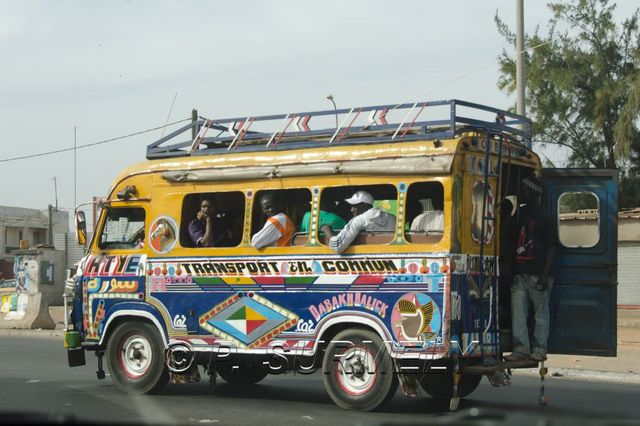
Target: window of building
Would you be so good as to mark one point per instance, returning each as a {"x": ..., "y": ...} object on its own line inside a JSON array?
[
  {"x": 269, "y": 227},
  {"x": 578, "y": 219},
  {"x": 380, "y": 228},
  {"x": 424, "y": 213},
  {"x": 227, "y": 219},
  {"x": 39, "y": 236},
  {"x": 123, "y": 228}
]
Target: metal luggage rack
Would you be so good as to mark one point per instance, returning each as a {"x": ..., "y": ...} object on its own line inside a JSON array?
[{"x": 293, "y": 131}]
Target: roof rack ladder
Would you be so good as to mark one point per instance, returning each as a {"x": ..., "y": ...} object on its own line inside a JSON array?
[
  {"x": 278, "y": 134},
  {"x": 344, "y": 133},
  {"x": 490, "y": 275},
  {"x": 244, "y": 128}
]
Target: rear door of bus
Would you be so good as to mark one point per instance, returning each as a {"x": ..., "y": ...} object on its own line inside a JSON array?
[{"x": 584, "y": 203}]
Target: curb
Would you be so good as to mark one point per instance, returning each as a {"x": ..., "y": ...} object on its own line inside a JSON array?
[
  {"x": 590, "y": 375},
  {"x": 31, "y": 333}
]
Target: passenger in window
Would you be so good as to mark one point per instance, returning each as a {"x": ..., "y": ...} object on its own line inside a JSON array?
[
  {"x": 278, "y": 229},
  {"x": 365, "y": 218},
  {"x": 429, "y": 220},
  {"x": 535, "y": 241},
  {"x": 206, "y": 230},
  {"x": 328, "y": 221}
]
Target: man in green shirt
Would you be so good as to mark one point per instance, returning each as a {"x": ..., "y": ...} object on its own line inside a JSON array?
[{"x": 328, "y": 221}]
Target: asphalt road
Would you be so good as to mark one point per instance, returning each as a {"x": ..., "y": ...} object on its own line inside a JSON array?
[{"x": 34, "y": 378}]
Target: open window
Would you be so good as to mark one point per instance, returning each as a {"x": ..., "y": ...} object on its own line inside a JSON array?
[
  {"x": 424, "y": 213},
  {"x": 578, "y": 219},
  {"x": 294, "y": 203},
  {"x": 123, "y": 228},
  {"x": 385, "y": 198},
  {"x": 227, "y": 219}
]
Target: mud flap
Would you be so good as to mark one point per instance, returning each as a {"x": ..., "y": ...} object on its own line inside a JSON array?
[{"x": 75, "y": 356}]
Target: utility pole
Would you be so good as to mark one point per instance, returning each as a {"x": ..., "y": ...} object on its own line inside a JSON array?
[
  {"x": 50, "y": 225},
  {"x": 55, "y": 188},
  {"x": 520, "y": 71},
  {"x": 75, "y": 186}
]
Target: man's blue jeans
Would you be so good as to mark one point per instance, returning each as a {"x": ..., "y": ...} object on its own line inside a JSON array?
[{"x": 523, "y": 292}]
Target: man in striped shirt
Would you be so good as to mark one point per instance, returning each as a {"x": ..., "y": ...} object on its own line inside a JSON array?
[{"x": 278, "y": 229}]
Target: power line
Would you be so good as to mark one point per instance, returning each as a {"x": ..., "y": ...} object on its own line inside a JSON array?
[
  {"x": 419, "y": 95},
  {"x": 57, "y": 151},
  {"x": 24, "y": 157}
]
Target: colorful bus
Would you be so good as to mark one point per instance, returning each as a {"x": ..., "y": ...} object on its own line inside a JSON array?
[{"x": 421, "y": 302}]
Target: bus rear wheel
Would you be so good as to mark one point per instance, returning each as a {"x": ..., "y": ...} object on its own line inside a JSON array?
[
  {"x": 135, "y": 358},
  {"x": 358, "y": 371}
]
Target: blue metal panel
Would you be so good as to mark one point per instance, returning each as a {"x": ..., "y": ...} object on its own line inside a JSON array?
[{"x": 583, "y": 299}]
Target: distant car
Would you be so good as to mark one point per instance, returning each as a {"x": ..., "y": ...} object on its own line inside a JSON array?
[{"x": 8, "y": 286}]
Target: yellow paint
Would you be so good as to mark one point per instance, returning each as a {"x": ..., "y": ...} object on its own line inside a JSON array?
[
  {"x": 238, "y": 280},
  {"x": 159, "y": 197}
]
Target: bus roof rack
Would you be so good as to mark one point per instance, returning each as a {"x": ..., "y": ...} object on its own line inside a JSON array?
[{"x": 358, "y": 125}]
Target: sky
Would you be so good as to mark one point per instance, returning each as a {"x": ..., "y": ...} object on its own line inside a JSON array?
[{"x": 113, "y": 68}]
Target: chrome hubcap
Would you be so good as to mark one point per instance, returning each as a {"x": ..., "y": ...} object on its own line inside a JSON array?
[{"x": 136, "y": 356}]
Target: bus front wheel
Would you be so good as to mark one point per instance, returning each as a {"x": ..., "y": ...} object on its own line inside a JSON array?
[
  {"x": 358, "y": 371},
  {"x": 135, "y": 358}
]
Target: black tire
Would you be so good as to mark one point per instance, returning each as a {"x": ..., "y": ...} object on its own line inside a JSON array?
[
  {"x": 440, "y": 384},
  {"x": 248, "y": 372},
  {"x": 358, "y": 376},
  {"x": 135, "y": 358}
]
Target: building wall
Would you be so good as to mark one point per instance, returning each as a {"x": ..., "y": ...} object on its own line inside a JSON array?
[
  {"x": 18, "y": 223},
  {"x": 628, "y": 229},
  {"x": 629, "y": 273}
]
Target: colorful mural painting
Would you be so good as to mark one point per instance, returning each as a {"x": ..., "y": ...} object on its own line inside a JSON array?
[
  {"x": 416, "y": 318},
  {"x": 25, "y": 269},
  {"x": 163, "y": 234},
  {"x": 250, "y": 321}
]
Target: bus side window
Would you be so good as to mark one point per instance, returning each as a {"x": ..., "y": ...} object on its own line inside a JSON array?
[
  {"x": 123, "y": 228},
  {"x": 226, "y": 213},
  {"x": 424, "y": 214},
  {"x": 287, "y": 208},
  {"x": 384, "y": 198}
]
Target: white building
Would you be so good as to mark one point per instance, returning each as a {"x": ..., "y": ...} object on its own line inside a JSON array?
[{"x": 32, "y": 225}]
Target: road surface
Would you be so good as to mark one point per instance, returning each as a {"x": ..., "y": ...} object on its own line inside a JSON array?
[{"x": 35, "y": 378}]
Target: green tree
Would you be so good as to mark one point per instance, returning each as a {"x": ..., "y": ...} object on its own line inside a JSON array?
[{"x": 583, "y": 83}]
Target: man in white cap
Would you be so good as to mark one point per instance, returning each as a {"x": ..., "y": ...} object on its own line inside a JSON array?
[{"x": 365, "y": 218}]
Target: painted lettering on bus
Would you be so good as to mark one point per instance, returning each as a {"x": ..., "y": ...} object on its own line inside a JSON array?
[
  {"x": 112, "y": 265},
  {"x": 349, "y": 300},
  {"x": 230, "y": 268},
  {"x": 383, "y": 266}
]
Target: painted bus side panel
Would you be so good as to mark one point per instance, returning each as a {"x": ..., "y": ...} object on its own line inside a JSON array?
[{"x": 199, "y": 299}]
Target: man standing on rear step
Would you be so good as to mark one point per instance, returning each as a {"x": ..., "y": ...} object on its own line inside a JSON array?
[{"x": 535, "y": 238}]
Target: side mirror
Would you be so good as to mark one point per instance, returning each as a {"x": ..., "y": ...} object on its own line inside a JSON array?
[{"x": 81, "y": 229}]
